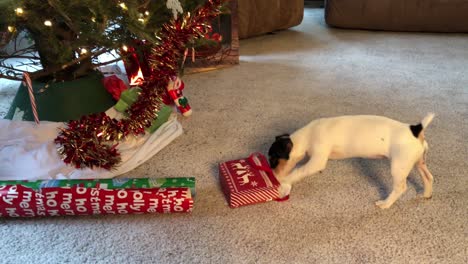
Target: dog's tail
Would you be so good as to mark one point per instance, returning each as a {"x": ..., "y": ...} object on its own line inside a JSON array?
[
  {"x": 427, "y": 120},
  {"x": 417, "y": 129}
]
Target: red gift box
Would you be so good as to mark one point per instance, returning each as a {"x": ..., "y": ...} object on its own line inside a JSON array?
[
  {"x": 248, "y": 181},
  {"x": 21, "y": 201}
]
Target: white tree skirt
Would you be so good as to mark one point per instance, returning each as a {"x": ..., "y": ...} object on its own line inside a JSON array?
[
  {"x": 28, "y": 151},
  {"x": 8, "y": 91}
]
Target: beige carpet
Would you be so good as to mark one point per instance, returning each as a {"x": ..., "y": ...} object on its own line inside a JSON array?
[{"x": 283, "y": 82}]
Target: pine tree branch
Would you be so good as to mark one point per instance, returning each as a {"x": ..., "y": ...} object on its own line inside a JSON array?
[
  {"x": 67, "y": 19},
  {"x": 4, "y": 76},
  {"x": 23, "y": 51},
  {"x": 107, "y": 62},
  {"x": 32, "y": 64},
  {"x": 97, "y": 53},
  {"x": 19, "y": 57},
  {"x": 11, "y": 68},
  {"x": 145, "y": 4},
  {"x": 43, "y": 73}
]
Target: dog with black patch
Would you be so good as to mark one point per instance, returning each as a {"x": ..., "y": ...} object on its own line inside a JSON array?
[{"x": 356, "y": 136}]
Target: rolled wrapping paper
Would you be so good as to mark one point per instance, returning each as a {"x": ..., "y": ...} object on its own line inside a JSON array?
[
  {"x": 72, "y": 197},
  {"x": 116, "y": 183}
]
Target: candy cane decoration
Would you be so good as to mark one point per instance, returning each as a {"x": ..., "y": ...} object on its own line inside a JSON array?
[
  {"x": 28, "y": 83},
  {"x": 186, "y": 53},
  {"x": 185, "y": 56}
]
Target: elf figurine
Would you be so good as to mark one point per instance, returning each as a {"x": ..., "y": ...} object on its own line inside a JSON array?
[{"x": 174, "y": 89}]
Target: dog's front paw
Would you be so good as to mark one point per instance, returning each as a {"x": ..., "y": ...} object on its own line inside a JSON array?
[
  {"x": 284, "y": 190},
  {"x": 424, "y": 196},
  {"x": 427, "y": 195},
  {"x": 383, "y": 204}
]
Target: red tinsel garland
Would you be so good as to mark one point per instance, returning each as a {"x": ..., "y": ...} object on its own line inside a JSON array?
[{"x": 92, "y": 140}]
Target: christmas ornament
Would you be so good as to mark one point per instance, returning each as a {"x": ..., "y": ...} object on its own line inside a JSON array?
[
  {"x": 174, "y": 89},
  {"x": 175, "y": 7}
]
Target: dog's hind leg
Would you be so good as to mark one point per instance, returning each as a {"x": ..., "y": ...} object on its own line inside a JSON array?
[
  {"x": 426, "y": 175},
  {"x": 400, "y": 168}
]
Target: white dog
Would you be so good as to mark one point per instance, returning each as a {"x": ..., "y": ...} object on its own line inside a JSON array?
[{"x": 363, "y": 136}]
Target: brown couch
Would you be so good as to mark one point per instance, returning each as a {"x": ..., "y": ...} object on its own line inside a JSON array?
[
  {"x": 399, "y": 15},
  {"x": 262, "y": 16}
]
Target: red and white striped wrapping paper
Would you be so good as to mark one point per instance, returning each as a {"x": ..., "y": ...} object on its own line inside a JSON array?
[
  {"x": 248, "y": 181},
  {"x": 21, "y": 201}
]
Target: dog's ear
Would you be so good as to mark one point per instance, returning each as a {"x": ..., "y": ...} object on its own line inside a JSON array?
[
  {"x": 284, "y": 136},
  {"x": 280, "y": 149},
  {"x": 289, "y": 146},
  {"x": 282, "y": 146}
]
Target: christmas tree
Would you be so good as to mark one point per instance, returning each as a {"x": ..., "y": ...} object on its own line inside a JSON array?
[
  {"x": 92, "y": 140},
  {"x": 68, "y": 36}
]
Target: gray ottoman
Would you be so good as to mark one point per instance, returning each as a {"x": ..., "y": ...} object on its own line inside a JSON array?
[
  {"x": 399, "y": 15},
  {"x": 257, "y": 17}
]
